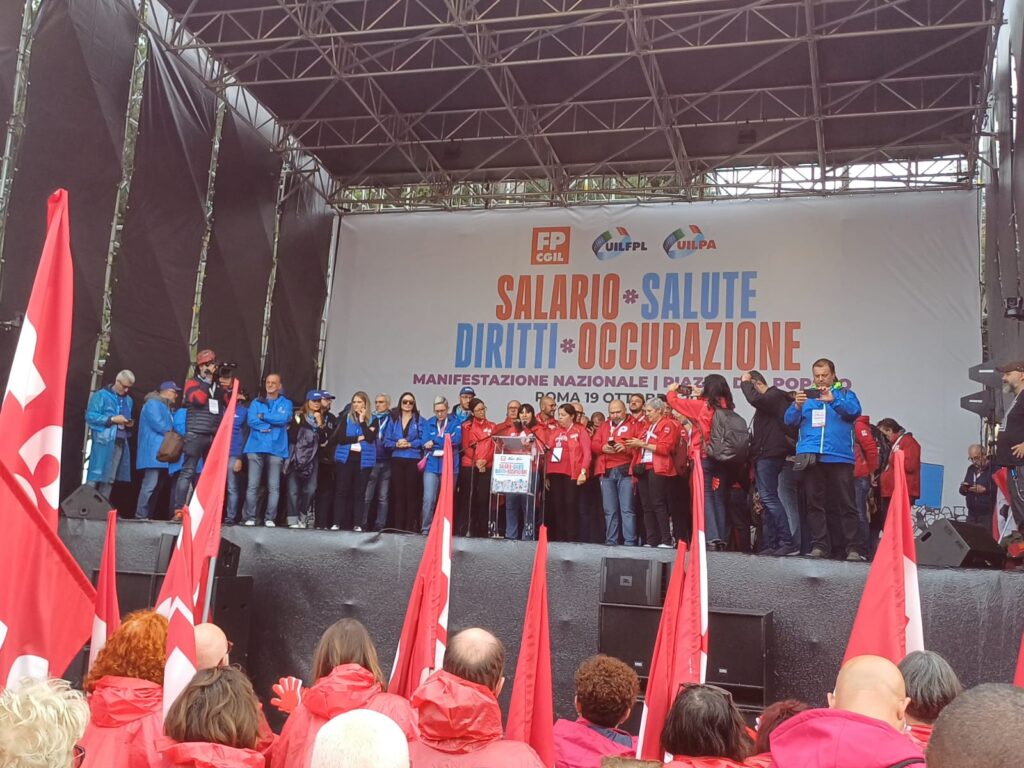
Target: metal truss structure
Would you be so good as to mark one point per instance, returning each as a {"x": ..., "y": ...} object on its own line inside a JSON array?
[{"x": 453, "y": 103}]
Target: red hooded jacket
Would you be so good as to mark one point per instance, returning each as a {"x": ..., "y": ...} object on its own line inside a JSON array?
[
  {"x": 460, "y": 727},
  {"x": 865, "y": 449},
  {"x": 757, "y": 761},
  {"x": 623, "y": 432},
  {"x": 347, "y": 687},
  {"x": 126, "y": 720},
  {"x": 664, "y": 436},
  {"x": 202, "y": 755},
  {"x": 578, "y": 745},
  {"x": 476, "y": 442},
  {"x": 912, "y": 462},
  {"x": 574, "y": 443},
  {"x": 833, "y": 738}
]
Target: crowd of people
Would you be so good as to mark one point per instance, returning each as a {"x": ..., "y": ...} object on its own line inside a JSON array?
[
  {"x": 878, "y": 714},
  {"x": 810, "y": 475}
]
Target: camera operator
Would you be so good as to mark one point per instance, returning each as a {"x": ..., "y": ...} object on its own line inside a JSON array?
[{"x": 205, "y": 397}]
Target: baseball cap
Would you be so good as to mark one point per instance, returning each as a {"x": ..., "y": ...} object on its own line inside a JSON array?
[
  {"x": 467, "y": 391},
  {"x": 1013, "y": 365},
  {"x": 168, "y": 385},
  {"x": 314, "y": 394},
  {"x": 327, "y": 395},
  {"x": 206, "y": 356}
]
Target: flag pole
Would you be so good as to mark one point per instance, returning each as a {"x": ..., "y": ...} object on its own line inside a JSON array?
[{"x": 207, "y": 597}]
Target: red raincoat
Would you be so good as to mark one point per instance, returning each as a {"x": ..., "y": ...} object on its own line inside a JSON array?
[
  {"x": 126, "y": 720},
  {"x": 623, "y": 432},
  {"x": 757, "y": 761},
  {"x": 201, "y": 755},
  {"x": 833, "y": 738},
  {"x": 347, "y": 687},
  {"x": 460, "y": 727},
  {"x": 577, "y": 745}
]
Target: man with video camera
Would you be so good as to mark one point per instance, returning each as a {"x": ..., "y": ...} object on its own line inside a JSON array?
[{"x": 206, "y": 396}]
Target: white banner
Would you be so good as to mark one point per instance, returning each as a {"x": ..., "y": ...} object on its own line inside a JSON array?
[
  {"x": 511, "y": 473},
  {"x": 593, "y": 303}
]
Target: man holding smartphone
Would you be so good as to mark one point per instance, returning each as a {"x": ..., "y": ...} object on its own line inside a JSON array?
[
  {"x": 109, "y": 418},
  {"x": 825, "y": 415}
]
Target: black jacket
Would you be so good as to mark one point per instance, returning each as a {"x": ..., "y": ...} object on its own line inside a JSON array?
[
  {"x": 981, "y": 504},
  {"x": 1011, "y": 434},
  {"x": 770, "y": 437}
]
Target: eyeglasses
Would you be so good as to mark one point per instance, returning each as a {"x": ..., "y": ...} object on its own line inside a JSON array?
[
  {"x": 439, "y": 411},
  {"x": 78, "y": 757}
]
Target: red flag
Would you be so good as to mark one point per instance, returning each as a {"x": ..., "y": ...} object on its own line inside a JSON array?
[
  {"x": 1018, "y": 678},
  {"x": 107, "y": 616},
  {"x": 425, "y": 630},
  {"x": 531, "y": 711},
  {"x": 32, "y": 416},
  {"x": 46, "y": 602},
  {"x": 180, "y": 612},
  {"x": 888, "y": 622},
  {"x": 208, "y": 495},
  {"x": 681, "y": 647}
]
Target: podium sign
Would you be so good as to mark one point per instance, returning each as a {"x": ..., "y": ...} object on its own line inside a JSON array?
[{"x": 511, "y": 473}]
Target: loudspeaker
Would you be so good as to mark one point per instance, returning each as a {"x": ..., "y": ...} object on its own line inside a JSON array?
[
  {"x": 135, "y": 591},
  {"x": 627, "y": 633},
  {"x": 86, "y": 503},
  {"x": 227, "y": 556},
  {"x": 953, "y": 543},
  {"x": 231, "y": 610},
  {"x": 632, "y": 582}
]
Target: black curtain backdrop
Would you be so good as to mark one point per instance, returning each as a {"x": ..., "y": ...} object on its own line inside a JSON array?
[
  {"x": 74, "y": 133},
  {"x": 241, "y": 251},
  {"x": 156, "y": 269},
  {"x": 10, "y": 29},
  {"x": 305, "y": 239}
]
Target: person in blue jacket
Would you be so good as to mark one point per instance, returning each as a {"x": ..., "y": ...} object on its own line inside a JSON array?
[
  {"x": 155, "y": 420},
  {"x": 442, "y": 423},
  {"x": 403, "y": 436},
  {"x": 267, "y": 448},
  {"x": 236, "y": 467},
  {"x": 355, "y": 436},
  {"x": 825, "y": 451},
  {"x": 109, "y": 418}
]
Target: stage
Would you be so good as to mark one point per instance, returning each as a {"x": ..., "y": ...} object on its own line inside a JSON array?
[{"x": 306, "y": 580}]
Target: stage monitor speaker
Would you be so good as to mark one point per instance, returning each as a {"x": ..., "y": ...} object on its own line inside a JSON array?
[
  {"x": 231, "y": 610},
  {"x": 632, "y": 581},
  {"x": 135, "y": 591},
  {"x": 957, "y": 544},
  {"x": 627, "y": 633},
  {"x": 85, "y": 503},
  {"x": 227, "y": 556}
]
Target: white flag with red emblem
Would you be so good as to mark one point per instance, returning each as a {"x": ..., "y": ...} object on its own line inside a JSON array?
[
  {"x": 32, "y": 416},
  {"x": 107, "y": 617},
  {"x": 424, "y": 637},
  {"x": 179, "y": 609}
]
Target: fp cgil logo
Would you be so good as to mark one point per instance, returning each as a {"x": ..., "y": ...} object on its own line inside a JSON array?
[{"x": 550, "y": 246}]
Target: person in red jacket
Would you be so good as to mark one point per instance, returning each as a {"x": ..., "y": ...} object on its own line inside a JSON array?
[
  {"x": 653, "y": 465},
  {"x": 865, "y": 470},
  {"x": 864, "y": 726},
  {"x": 773, "y": 716},
  {"x": 214, "y": 723},
  {"x": 125, "y": 689},
  {"x": 900, "y": 440},
  {"x": 458, "y": 713},
  {"x": 475, "y": 476},
  {"x": 931, "y": 685},
  {"x": 606, "y": 690},
  {"x": 568, "y": 464},
  {"x": 612, "y": 467},
  {"x": 704, "y": 729},
  {"x": 347, "y": 677}
]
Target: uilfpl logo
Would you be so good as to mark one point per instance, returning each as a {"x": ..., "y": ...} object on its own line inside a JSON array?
[
  {"x": 610, "y": 244},
  {"x": 683, "y": 243},
  {"x": 550, "y": 245}
]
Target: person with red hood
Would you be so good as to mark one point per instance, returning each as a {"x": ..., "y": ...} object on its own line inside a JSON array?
[
  {"x": 458, "y": 713},
  {"x": 474, "y": 481},
  {"x": 653, "y": 465},
  {"x": 606, "y": 690},
  {"x": 865, "y": 469},
  {"x": 704, "y": 729},
  {"x": 214, "y": 723},
  {"x": 900, "y": 440},
  {"x": 567, "y": 470},
  {"x": 864, "y": 726},
  {"x": 931, "y": 685},
  {"x": 348, "y": 677},
  {"x": 125, "y": 690}
]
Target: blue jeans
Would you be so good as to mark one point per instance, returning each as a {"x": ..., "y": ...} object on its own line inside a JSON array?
[
  {"x": 300, "y": 495},
  {"x": 257, "y": 463},
  {"x": 789, "y": 494},
  {"x": 776, "y": 523},
  {"x": 115, "y": 462},
  {"x": 861, "y": 491},
  {"x": 617, "y": 500},
  {"x": 518, "y": 508},
  {"x": 152, "y": 479},
  {"x": 377, "y": 490},
  {"x": 715, "y": 500},
  {"x": 431, "y": 487},
  {"x": 234, "y": 484}
]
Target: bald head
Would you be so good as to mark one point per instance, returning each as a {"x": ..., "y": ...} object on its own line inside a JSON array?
[
  {"x": 211, "y": 647},
  {"x": 871, "y": 686},
  {"x": 477, "y": 656}
]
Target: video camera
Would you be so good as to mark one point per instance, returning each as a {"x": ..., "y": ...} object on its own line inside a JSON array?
[{"x": 226, "y": 370}]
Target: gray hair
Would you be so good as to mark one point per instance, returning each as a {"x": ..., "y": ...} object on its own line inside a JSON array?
[
  {"x": 441, "y": 400},
  {"x": 657, "y": 404},
  {"x": 931, "y": 684},
  {"x": 386, "y": 396},
  {"x": 125, "y": 377},
  {"x": 360, "y": 738}
]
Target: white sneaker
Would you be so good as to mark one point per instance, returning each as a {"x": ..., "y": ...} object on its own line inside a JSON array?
[
  {"x": 295, "y": 525},
  {"x": 250, "y": 523},
  {"x": 357, "y": 529},
  {"x": 334, "y": 528},
  {"x": 270, "y": 524},
  {"x": 664, "y": 546}
]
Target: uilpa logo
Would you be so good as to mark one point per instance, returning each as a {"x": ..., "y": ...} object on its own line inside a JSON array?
[
  {"x": 550, "y": 245},
  {"x": 610, "y": 244},
  {"x": 682, "y": 242}
]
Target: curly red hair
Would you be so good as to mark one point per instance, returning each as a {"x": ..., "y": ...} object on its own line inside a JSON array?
[
  {"x": 138, "y": 649},
  {"x": 606, "y": 689}
]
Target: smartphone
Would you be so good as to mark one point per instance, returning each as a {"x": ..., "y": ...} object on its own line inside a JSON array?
[
  {"x": 812, "y": 393},
  {"x": 964, "y": 487}
]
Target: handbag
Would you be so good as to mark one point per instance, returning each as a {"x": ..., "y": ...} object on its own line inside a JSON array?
[
  {"x": 170, "y": 447},
  {"x": 421, "y": 465},
  {"x": 804, "y": 460}
]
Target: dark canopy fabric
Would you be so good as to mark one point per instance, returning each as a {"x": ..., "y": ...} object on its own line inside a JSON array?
[
  {"x": 10, "y": 29},
  {"x": 152, "y": 300},
  {"x": 74, "y": 133}
]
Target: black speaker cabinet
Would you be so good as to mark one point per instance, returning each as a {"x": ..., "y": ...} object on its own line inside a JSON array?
[
  {"x": 231, "y": 610},
  {"x": 953, "y": 543},
  {"x": 85, "y": 503},
  {"x": 632, "y": 582},
  {"x": 627, "y": 633},
  {"x": 227, "y": 556},
  {"x": 135, "y": 591}
]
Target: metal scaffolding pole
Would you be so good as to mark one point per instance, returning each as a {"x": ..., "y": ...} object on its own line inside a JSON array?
[
  {"x": 332, "y": 260},
  {"x": 282, "y": 187}
]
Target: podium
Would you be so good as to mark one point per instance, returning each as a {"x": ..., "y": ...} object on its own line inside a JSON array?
[{"x": 513, "y": 472}]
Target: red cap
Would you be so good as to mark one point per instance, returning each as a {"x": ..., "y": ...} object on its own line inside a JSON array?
[{"x": 206, "y": 356}]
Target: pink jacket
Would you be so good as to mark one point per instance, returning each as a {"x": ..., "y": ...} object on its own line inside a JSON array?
[
  {"x": 832, "y": 738},
  {"x": 577, "y": 745},
  {"x": 126, "y": 720}
]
